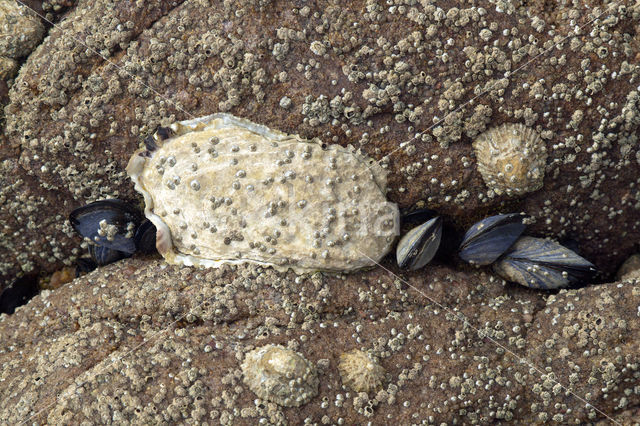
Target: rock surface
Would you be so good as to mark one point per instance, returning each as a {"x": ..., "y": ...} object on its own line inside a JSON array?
[
  {"x": 630, "y": 269},
  {"x": 20, "y": 30},
  {"x": 411, "y": 83},
  {"x": 143, "y": 342}
]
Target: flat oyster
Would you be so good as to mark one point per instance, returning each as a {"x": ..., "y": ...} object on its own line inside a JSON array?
[{"x": 222, "y": 189}]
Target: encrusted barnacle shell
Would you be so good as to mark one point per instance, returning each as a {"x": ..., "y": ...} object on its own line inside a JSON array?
[
  {"x": 221, "y": 189},
  {"x": 511, "y": 159},
  {"x": 280, "y": 375},
  {"x": 359, "y": 372},
  {"x": 542, "y": 264}
]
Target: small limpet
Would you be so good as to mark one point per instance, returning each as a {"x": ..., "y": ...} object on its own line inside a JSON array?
[
  {"x": 280, "y": 375},
  {"x": 511, "y": 159},
  {"x": 359, "y": 372},
  {"x": 262, "y": 197}
]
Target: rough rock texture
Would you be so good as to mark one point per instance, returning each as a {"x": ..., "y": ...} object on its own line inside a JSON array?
[
  {"x": 630, "y": 268},
  {"x": 411, "y": 83},
  {"x": 20, "y": 29},
  {"x": 142, "y": 342}
]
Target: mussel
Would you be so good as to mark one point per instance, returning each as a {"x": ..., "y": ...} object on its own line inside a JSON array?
[
  {"x": 419, "y": 245},
  {"x": 488, "y": 239},
  {"x": 18, "y": 293},
  {"x": 145, "y": 237},
  {"x": 543, "y": 264},
  {"x": 102, "y": 255},
  {"x": 84, "y": 265},
  {"x": 108, "y": 223}
]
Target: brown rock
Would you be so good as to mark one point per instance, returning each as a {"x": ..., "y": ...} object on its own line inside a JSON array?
[
  {"x": 412, "y": 85},
  {"x": 630, "y": 269},
  {"x": 142, "y": 342}
]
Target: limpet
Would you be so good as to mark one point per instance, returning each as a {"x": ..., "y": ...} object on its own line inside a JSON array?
[
  {"x": 511, "y": 159},
  {"x": 280, "y": 375},
  {"x": 360, "y": 372}
]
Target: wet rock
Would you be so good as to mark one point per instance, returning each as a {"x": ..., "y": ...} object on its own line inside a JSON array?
[
  {"x": 396, "y": 82},
  {"x": 142, "y": 341}
]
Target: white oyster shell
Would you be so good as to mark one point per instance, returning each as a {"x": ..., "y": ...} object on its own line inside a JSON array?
[{"x": 222, "y": 189}]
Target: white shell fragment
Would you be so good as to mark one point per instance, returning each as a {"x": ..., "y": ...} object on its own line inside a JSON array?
[
  {"x": 280, "y": 375},
  {"x": 511, "y": 159},
  {"x": 221, "y": 189}
]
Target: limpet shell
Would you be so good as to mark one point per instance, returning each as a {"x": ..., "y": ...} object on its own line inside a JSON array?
[
  {"x": 511, "y": 159},
  {"x": 359, "y": 372},
  {"x": 280, "y": 375},
  {"x": 222, "y": 189}
]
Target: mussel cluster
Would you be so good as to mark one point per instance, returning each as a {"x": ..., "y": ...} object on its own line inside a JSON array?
[
  {"x": 532, "y": 262},
  {"x": 114, "y": 230}
]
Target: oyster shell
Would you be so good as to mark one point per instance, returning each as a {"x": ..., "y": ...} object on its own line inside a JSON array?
[{"x": 222, "y": 189}]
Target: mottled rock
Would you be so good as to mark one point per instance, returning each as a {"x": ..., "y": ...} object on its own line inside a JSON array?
[
  {"x": 140, "y": 341},
  {"x": 8, "y": 68},
  {"x": 409, "y": 84}
]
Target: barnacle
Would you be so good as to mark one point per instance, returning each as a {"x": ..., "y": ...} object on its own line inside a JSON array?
[
  {"x": 280, "y": 375},
  {"x": 360, "y": 372},
  {"x": 511, "y": 159},
  {"x": 221, "y": 189}
]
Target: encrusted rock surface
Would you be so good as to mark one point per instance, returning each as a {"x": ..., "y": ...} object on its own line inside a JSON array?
[
  {"x": 143, "y": 342},
  {"x": 411, "y": 83},
  {"x": 20, "y": 30}
]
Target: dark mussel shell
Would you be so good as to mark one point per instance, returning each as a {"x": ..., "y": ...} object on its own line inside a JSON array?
[
  {"x": 416, "y": 216},
  {"x": 488, "y": 239},
  {"x": 102, "y": 255},
  {"x": 18, "y": 293},
  {"x": 145, "y": 237},
  {"x": 543, "y": 264},
  {"x": 419, "y": 245},
  {"x": 108, "y": 223},
  {"x": 84, "y": 265}
]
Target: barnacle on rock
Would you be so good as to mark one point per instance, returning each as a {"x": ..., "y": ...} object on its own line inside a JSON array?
[
  {"x": 360, "y": 372},
  {"x": 280, "y": 375},
  {"x": 511, "y": 159},
  {"x": 221, "y": 189}
]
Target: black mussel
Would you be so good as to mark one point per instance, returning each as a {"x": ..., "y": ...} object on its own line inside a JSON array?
[
  {"x": 104, "y": 255},
  {"x": 417, "y": 216},
  {"x": 145, "y": 237},
  {"x": 488, "y": 239},
  {"x": 109, "y": 223},
  {"x": 543, "y": 264},
  {"x": 19, "y": 292},
  {"x": 84, "y": 265},
  {"x": 419, "y": 245}
]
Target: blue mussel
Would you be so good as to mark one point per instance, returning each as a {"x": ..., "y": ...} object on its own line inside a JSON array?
[
  {"x": 532, "y": 262},
  {"x": 114, "y": 231}
]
